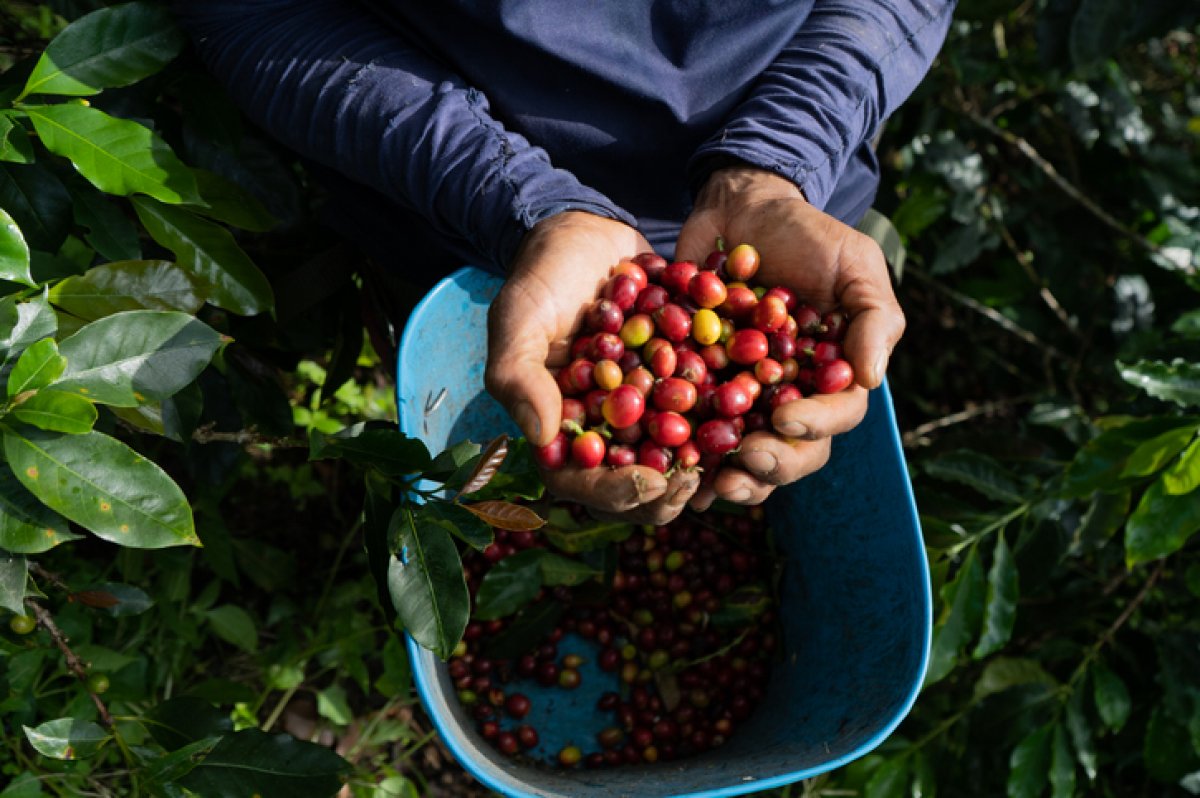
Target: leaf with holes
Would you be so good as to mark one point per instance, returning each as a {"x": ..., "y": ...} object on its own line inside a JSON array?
[
  {"x": 506, "y": 515},
  {"x": 226, "y": 275},
  {"x": 116, "y": 156},
  {"x": 37, "y": 367},
  {"x": 103, "y": 485},
  {"x": 14, "y": 252},
  {"x": 426, "y": 583},
  {"x": 490, "y": 460},
  {"x": 26, "y": 525},
  {"x": 57, "y": 411},
  {"x": 128, "y": 285},
  {"x": 136, "y": 356},
  {"x": 107, "y": 48},
  {"x": 66, "y": 738}
]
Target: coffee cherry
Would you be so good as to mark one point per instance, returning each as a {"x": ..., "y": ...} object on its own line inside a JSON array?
[
  {"x": 768, "y": 371},
  {"x": 678, "y": 275},
  {"x": 782, "y": 395},
  {"x": 623, "y": 290},
  {"x": 651, "y": 263},
  {"x": 706, "y": 326},
  {"x": 553, "y": 455},
  {"x": 606, "y": 346},
  {"x": 570, "y": 756},
  {"x": 675, "y": 394},
  {"x": 604, "y": 316},
  {"x": 22, "y": 624},
  {"x": 527, "y": 736},
  {"x": 690, "y": 366},
  {"x": 687, "y": 456},
  {"x": 669, "y": 429},
  {"x": 731, "y": 399},
  {"x": 573, "y": 412},
  {"x": 740, "y": 301},
  {"x": 742, "y": 263},
  {"x": 620, "y": 455},
  {"x": 673, "y": 322},
  {"x": 641, "y": 379},
  {"x": 507, "y": 743},
  {"x": 637, "y": 330},
  {"x": 576, "y": 378},
  {"x": 633, "y": 271},
  {"x": 769, "y": 314},
  {"x": 623, "y": 406},
  {"x": 517, "y": 705},
  {"x": 833, "y": 326},
  {"x": 569, "y": 679},
  {"x": 653, "y": 455},
  {"x": 808, "y": 320},
  {"x": 718, "y": 436},
  {"x": 707, "y": 289},
  {"x": 651, "y": 299},
  {"x": 826, "y": 352},
  {"x": 607, "y": 375},
  {"x": 660, "y": 356},
  {"x": 587, "y": 450},
  {"x": 747, "y": 347},
  {"x": 834, "y": 376}
]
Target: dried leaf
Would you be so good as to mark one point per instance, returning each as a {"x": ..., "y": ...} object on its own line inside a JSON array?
[
  {"x": 489, "y": 463},
  {"x": 96, "y": 598},
  {"x": 506, "y": 515}
]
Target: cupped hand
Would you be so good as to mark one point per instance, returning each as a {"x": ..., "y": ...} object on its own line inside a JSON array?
[
  {"x": 828, "y": 264},
  {"x": 557, "y": 273}
]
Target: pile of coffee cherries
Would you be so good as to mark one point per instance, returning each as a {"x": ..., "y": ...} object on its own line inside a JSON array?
[
  {"x": 677, "y": 361},
  {"x": 684, "y": 673}
]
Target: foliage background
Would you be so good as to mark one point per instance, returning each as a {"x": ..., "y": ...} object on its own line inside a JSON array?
[{"x": 1045, "y": 181}]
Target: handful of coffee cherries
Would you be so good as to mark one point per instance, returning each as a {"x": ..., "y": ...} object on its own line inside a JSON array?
[{"x": 677, "y": 361}]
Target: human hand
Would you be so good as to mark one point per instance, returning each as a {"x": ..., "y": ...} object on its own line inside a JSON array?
[
  {"x": 558, "y": 271},
  {"x": 827, "y": 264}
]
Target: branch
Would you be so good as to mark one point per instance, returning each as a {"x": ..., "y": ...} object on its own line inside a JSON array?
[
  {"x": 914, "y": 436},
  {"x": 246, "y": 437},
  {"x": 74, "y": 663}
]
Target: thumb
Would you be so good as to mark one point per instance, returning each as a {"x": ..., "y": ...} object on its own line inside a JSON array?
[
  {"x": 516, "y": 376},
  {"x": 698, "y": 237}
]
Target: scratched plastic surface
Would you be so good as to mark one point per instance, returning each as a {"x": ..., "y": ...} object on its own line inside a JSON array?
[{"x": 855, "y": 597}]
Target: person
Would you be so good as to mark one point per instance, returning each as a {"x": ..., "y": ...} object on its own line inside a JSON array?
[{"x": 549, "y": 140}]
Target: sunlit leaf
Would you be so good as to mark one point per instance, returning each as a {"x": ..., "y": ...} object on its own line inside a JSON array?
[{"x": 66, "y": 738}]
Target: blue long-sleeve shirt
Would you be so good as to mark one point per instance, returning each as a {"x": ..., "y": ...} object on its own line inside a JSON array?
[{"x": 486, "y": 117}]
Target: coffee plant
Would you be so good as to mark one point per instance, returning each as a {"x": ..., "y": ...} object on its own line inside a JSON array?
[{"x": 201, "y": 473}]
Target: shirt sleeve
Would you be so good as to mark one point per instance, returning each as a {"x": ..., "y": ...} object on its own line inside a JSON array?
[
  {"x": 828, "y": 92},
  {"x": 336, "y": 85}
]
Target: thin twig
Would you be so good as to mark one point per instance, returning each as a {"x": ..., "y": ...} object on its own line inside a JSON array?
[
  {"x": 246, "y": 437},
  {"x": 1044, "y": 292},
  {"x": 74, "y": 663},
  {"x": 913, "y": 436}
]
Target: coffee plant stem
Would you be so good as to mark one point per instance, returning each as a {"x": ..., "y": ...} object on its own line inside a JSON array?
[
  {"x": 917, "y": 434},
  {"x": 1026, "y": 262},
  {"x": 999, "y": 523},
  {"x": 280, "y": 706},
  {"x": 74, "y": 663}
]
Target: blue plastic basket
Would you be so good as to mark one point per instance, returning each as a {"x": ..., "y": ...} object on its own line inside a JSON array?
[{"x": 855, "y": 598}]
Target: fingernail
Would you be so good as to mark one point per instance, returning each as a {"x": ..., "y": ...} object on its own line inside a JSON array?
[
  {"x": 528, "y": 421},
  {"x": 738, "y": 495},
  {"x": 793, "y": 429},
  {"x": 879, "y": 368},
  {"x": 760, "y": 462}
]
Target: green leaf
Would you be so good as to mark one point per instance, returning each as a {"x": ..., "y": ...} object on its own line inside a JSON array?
[
  {"x": 559, "y": 570},
  {"x": 227, "y": 276},
  {"x": 136, "y": 356},
  {"x": 589, "y": 539},
  {"x": 426, "y": 583},
  {"x": 509, "y": 585},
  {"x": 1003, "y": 673},
  {"x": 171, "y": 767},
  {"x": 389, "y": 451},
  {"x": 234, "y": 625},
  {"x": 1177, "y": 381},
  {"x": 116, "y": 156},
  {"x": 26, "y": 525},
  {"x": 1102, "y": 459},
  {"x": 1184, "y": 474},
  {"x": 1188, "y": 324},
  {"x": 251, "y": 762},
  {"x": 890, "y": 779},
  {"x": 1097, "y": 29},
  {"x": 1081, "y": 733},
  {"x": 66, "y": 738},
  {"x": 15, "y": 146},
  {"x": 457, "y": 521},
  {"x": 924, "y": 779},
  {"x": 39, "y": 203},
  {"x": 108, "y": 48},
  {"x": 1161, "y": 524},
  {"x": 1062, "y": 765},
  {"x": 14, "y": 579},
  {"x": 332, "y": 705},
  {"x": 27, "y": 785},
  {"x": 103, "y": 485},
  {"x": 118, "y": 600},
  {"x": 527, "y": 628},
  {"x": 22, "y": 324},
  {"x": 14, "y": 252},
  {"x": 1104, "y": 516},
  {"x": 184, "y": 720},
  {"x": 1167, "y": 748},
  {"x": 1000, "y": 612},
  {"x": 962, "y": 612},
  {"x": 1155, "y": 453},
  {"x": 57, "y": 411},
  {"x": 128, "y": 285},
  {"x": 110, "y": 232},
  {"x": 38, "y": 366},
  {"x": 1029, "y": 765},
  {"x": 980, "y": 472},
  {"x": 228, "y": 202},
  {"x": 1111, "y": 696},
  {"x": 396, "y": 678}
]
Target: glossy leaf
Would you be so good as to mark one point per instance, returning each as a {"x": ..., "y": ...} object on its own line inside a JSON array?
[
  {"x": 119, "y": 600},
  {"x": 1098, "y": 465},
  {"x": 426, "y": 583},
  {"x": 890, "y": 779},
  {"x": 252, "y": 762},
  {"x": 110, "y": 232},
  {"x": 559, "y": 570},
  {"x": 116, "y": 156},
  {"x": 15, "y": 146},
  {"x": 389, "y": 451},
  {"x": 506, "y": 515},
  {"x": 234, "y": 625},
  {"x": 1177, "y": 381},
  {"x": 509, "y": 585},
  {"x": 1111, "y": 696},
  {"x": 490, "y": 460},
  {"x": 1003, "y": 673},
  {"x": 14, "y": 578},
  {"x": 1161, "y": 524},
  {"x": 226, "y": 275},
  {"x": 458, "y": 521},
  {"x": 184, "y": 720},
  {"x": 1000, "y": 611},
  {"x": 136, "y": 356},
  {"x": 103, "y": 485},
  {"x": 39, "y": 203},
  {"x": 37, "y": 367},
  {"x": 527, "y": 628},
  {"x": 66, "y": 738},
  {"x": 1184, "y": 474},
  {"x": 1104, "y": 516},
  {"x": 57, "y": 411},
  {"x": 108, "y": 48},
  {"x": 588, "y": 539},
  {"x": 26, "y": 525},
  {"x": 1188, "y": 324},
  {"x": 962, "y": 611},
  {"x": 1155, "y": 453},
  {"x": 128, "y": 285},
  {"x": 1082, "y": 737},
  {"x": 175, "y": 765},
  {"x": 980, "y": 472},
  {"x": 1029, "y": 765},
  {"x": 1167, "y": 748},
  {"x": 228, "y": 202},
  {"x": 14, "y": 252},
  {"x": 1062, "y": 764}
]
